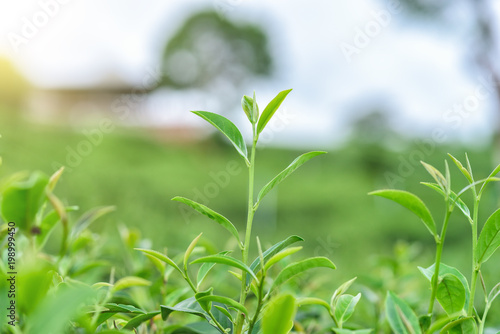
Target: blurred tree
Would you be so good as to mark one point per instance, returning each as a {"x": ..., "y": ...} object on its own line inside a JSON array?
[
  {"x": 214, "y": 54},
  {"x": 481, "y": 33},
  {"x": 13, "y": 86},
  {"x": 371, "y": 138}
]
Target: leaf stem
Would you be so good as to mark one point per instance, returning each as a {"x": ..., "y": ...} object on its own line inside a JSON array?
[
  {"x": 439, "y": 251},
  {"x": 195, "y": 290},
  {"x": 259, "y": 303},
  {"x": 475, "y": 265},
  {"x": 248, "y": 234}
]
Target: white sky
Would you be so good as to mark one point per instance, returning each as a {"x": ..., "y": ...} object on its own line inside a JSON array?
[{"x": 419, "y": 71}]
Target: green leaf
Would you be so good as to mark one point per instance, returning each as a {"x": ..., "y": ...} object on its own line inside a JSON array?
[
  {"x": 348, "y": 331},
  {"x": 191, "y": 306},
  {"x": 340, "y": 291},
  {"x": 451, "y": 294},
  {"x": 255, "y": 110},
  {"x": 299, "y": 161},
  {"x": 54, "y": 178},
  {"x": 21, "y": 200},
  {"x": 67, "y": 301},
  {"x": 225, "y": 312},
  {"x": 206, "y": 305},
  {"x": 136, "y": 321},
  {"x": 276, "y": 248},
  {"x": 279, "y": 314},
  {"x": 345, "y": 306},
  {"x": 189, "y": 250},
  {"x": 412, "y": 203},
  {"x": 228, "y": 129},
  {"x": 312, "y": 301},
  {"x": 400, "y": 316},
  {"x": 489, "y": 239},
  {"x": 130, "y": 281},
  {"x": 247, "y": 106},
  {"x": 218, "y": 218},
  {"x": 436, "y": 175},
  {"x": 490, "y": 178},
  {"x": 464, "y": 171},
  {"x": 444, "y": 269},
  {"x": 205, "y": 268},
  {"x": 89, "y": 217},
  {"x": 122, "y": 308},
  {"x": 461, "y": 326},
  {"x": 281, "y": 255},
  {"x": 250, "y": 108},
  {"x": 494, "y": 293},
  {"x": 227, "y": 260},
  {"x": 195, "y": 328},
  {"x": 270, "y": 109},
  {"x": 223, "y": 300},
  {"x": 456, "y": 200},
  {"x": 161, "y": 257},
  {"x": 298, "y": 267}
]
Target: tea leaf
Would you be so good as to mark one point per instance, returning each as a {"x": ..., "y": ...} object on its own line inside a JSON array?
[
  {"x": 436, "y": 175},
  {"x": 130, "y": 281},
  {"x": 345, "y": 306},
  {"x": 412, "y": 203},
  {"x": 340, "y": 291},
  {"x": 207, "y": 304},
  {"x": 134, "y": 322},
  {"x": 225, "y": 312},
  {"x": 21, "y": 200},
  {"x": 276, "y": 248},
  {"x": 227, "y": 260},
  {"x": 191, "y": 306},
  {"x": 161, "y": 257},
  {"x": 223, "y": 300},
  {"x": 247, "y": 106},
  {"x": 312, "y": 301},
  {"x": 461, "y": 326},
  {"x": 121, "y": 308},
  {"x": 228, "y": 129},
  {"x": 270, "y": 109},
  {"x": 444, "y": 269},
  {"x": 400, "y": 316},
  {"x": 205, "y": 268},
  {"x": 451, "y": 294},
  {"x": 218, "y": 218},
  {"x": 279, "y": 314},
  {"x": 281, "y": 255},
  {"x": 299, "y": 161},
  {"x": 298, "y": 267},
  {"x": 89, "y": 217},
  {"x": 67, "y": 301},
  {"x": 189, "y": 250},
  {"x": 489, "y": 239},
  {"x": 456, "y": 200},
  {"x": 464, "y": 171},
  {"x": 348, "y": 331},
  {"x": 55, "y": 178},
  {"x": 489, "y": 179}
]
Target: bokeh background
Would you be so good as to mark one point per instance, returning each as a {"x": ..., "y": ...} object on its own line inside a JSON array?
[{"x": 105, "y": 89}]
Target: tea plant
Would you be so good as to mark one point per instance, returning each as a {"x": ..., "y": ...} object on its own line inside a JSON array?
[
  {"x": 448, "y": 285},
  {"x": 271, "y": 313}
]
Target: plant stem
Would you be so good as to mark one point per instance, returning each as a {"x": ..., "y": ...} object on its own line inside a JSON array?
[
  {"x": 259, "y": 304},
  {"x": 248, "y": 234},
  {"x": 475, "y": 265},
  {"x": 195, "y": 290},
  {"x": 439, "y": 251}
]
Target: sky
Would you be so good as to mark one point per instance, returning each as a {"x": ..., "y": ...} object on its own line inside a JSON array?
[{"x": 341, "y": 58}]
